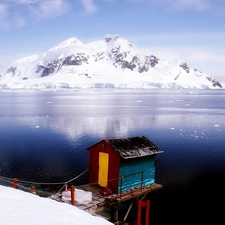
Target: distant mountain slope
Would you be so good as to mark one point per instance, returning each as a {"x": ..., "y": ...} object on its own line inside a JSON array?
[{"x": 109, "y": 63}]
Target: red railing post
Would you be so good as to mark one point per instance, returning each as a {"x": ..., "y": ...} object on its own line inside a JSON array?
[
  {"x": 72, "y": 195},
  {"x": 15, "y": 183}
]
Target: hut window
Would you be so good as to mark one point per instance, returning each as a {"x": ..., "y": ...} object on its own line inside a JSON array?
[{"x": 103, "y": 146}]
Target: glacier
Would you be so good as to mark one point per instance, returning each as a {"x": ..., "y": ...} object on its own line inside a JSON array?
[{"x": 109, "y": 63}]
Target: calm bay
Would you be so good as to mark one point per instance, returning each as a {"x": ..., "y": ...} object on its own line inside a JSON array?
[{"x": 44, "y": 136}]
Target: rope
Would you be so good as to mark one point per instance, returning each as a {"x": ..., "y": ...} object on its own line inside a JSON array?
[
  {"x": 77, "y": 176},
  {"x": 40, "y": 183},
  {"x": 6, "y": 180}
]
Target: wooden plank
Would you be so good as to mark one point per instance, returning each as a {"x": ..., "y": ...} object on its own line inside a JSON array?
[
  {"x": 134, "y": 193},
  {"x": 100, "y": 202}
]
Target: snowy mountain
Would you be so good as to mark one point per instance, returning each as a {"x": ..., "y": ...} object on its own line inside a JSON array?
[{"x": 109, "y": 63}]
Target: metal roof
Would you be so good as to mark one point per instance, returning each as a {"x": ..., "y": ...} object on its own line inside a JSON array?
[{"x": 133, "y": 147}]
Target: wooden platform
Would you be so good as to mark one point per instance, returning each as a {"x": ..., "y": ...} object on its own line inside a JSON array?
[
  {"x": 100, "y": 202},
  {"x": 134, "y": 193}
]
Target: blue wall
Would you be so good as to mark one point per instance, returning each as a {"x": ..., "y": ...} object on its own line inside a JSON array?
[{"x": 131, "y": 171}]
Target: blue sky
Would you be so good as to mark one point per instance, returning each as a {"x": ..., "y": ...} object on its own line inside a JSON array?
[{"x": 192, "y": 31}]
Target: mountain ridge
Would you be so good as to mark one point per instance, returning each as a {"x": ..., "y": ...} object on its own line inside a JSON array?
[{"x": 109, "y": 63}]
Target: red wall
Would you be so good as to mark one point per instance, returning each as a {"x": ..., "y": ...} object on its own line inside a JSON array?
[{"x": 114, "y": 164}]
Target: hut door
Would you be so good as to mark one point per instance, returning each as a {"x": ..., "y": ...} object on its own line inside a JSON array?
[{"x": 103, "y": 169}]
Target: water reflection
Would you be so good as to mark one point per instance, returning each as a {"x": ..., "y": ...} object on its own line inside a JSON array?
[{"x": 46, "y": 134}]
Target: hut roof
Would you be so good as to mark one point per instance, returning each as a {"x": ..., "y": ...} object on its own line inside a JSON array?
[{"x": 133, "y": 147}]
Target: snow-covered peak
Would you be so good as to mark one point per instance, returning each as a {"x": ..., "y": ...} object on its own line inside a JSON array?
[
  {"x": 67, "y": 45},
  {"x": 68, "y": 42},
  {"x": 62, "y": 50},
  {"x": 116, "y": 43},
  {"x": 112, "y": 62},
  {"x": 115, "y": 40}
]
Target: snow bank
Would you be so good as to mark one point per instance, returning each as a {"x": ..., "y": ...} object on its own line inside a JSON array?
[{"x": 19, "y": 207}]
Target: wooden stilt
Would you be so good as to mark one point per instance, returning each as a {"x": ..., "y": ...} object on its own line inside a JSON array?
[{"x": 114, "y": 213}]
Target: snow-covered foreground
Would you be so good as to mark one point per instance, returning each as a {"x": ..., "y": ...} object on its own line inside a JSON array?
[{"x": 19, "y": 207}]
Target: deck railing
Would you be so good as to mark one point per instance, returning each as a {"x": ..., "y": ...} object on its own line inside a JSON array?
[{"x": 121, "y": 178}]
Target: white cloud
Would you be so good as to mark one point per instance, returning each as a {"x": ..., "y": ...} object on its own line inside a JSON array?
[
  {"x": 20, "y": 22},
  {"x": 217, "y": 7},
  {"x": 52, "y": 8},
  {"x": 179, "y": 38},
  {"x": 199, "y": 5},
  {"x": 3, "y": 10},
  {"x": 19, "y": 12},
  {"x": 3, "y": 14},
  {"x": 89, "y": 6},
  {"x": 204, "y": 50},
  {"x": 24, "y": 1}
]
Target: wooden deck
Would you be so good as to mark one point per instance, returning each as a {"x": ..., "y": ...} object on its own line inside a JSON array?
[
  {"x": 134, "y": 193},
  {"x": 97, "y": 204},
  {"x": 100, "y": 202}
]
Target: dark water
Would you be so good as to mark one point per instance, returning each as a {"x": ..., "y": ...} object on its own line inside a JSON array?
[{"x": 44, "y": 136}]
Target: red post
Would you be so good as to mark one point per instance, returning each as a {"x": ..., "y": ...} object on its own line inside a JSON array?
[
  {"x": 145, "y": 204},
  {"x": 15, "y": 183},
  {"x": 72, "y": 195},
  {"x": 147, "y": 212},
  {"x": 33, "y": 190}
]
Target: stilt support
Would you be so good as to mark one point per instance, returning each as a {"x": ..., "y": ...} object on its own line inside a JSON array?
[
  {"x": 146, "y": 205},
  {"x": 128, "y": 211},
  {"x": 114, "y": 214}
]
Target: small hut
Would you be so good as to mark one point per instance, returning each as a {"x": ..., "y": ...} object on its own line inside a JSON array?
[{"x": 122, "y": 164}]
